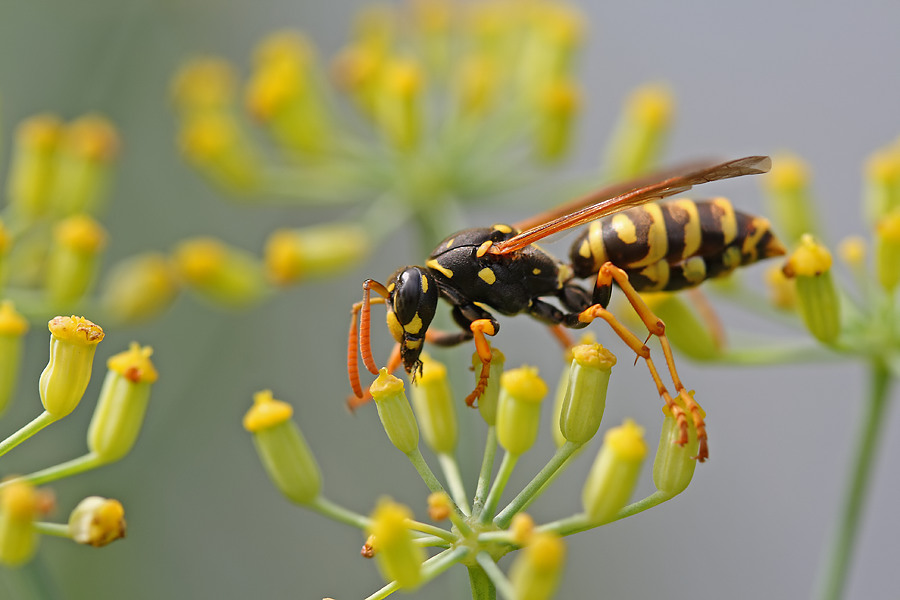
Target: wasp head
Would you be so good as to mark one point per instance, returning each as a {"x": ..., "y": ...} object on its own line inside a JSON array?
[{"x": 411, "y": 306}]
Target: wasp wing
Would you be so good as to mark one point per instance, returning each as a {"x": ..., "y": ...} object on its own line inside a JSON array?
[{"x": 618, "y": 197}]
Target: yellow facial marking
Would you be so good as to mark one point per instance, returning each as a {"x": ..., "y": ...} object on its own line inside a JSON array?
[
  {"x": 391, "y": 286},
  {"x": 502, "y": 228},
  {"x": 487, "y": 275},
  {"x": 424, "y": 284},
  {"x": 394, "y": 326},
  {"x": 414, "y": 326},
  {"x": 433, "y": 264}
]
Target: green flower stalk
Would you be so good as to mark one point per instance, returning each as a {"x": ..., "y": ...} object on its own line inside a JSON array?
[
  {"x": 73, "y": 342},
  {"x": 220, "y": 273},
  {"x": 13, "y": 327},
  {"x": 641, "y": 133},
  {"x": 97, "y": 521},
  {"x": 282, "y": 449},
  {"x": 585, "y": 398},
  {"x": 395, "y": 413},
  {"x": 614, "y": 473},
  {"x": 810, "y": 267},
  {"x": 18, "y": 509},
  {"x": 122, "y": 403},
  {"x": 399, "y": 558},
  {"x": 673, "y": 467},
  {"x": 31, "y": 170},
  {"x": 536, "y": 573},
  {"x": 519, "y": 410},
  {"x": 74, "y": 258}
]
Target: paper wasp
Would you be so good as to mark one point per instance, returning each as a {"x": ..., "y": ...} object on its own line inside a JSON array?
[{"x": 648, "y": 247}]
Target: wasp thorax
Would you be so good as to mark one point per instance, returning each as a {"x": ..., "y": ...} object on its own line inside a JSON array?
[{"x": 413, "y": 300}]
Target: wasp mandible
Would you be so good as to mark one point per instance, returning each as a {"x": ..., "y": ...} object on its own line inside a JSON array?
[{"x": 639, "y": 246}]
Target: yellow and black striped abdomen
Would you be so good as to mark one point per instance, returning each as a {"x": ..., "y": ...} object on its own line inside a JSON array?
[{"x": 676, "y": 244}]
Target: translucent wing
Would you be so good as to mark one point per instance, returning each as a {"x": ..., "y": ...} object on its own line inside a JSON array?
[{"x": 618, "y": 197}]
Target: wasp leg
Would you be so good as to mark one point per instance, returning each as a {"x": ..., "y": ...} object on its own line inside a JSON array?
[
  {"x": 364, "y": 396},
  {"x": 609, "y": 273}
]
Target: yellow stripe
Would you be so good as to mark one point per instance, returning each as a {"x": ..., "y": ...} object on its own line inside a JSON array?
[
  {"x": 692, "y": 234},
  {"x": 595, "y": 239},
  {"x": 657, "y": 236},
  {"x": 624, "y": 228},
  {"x": 728, "y": 222}
]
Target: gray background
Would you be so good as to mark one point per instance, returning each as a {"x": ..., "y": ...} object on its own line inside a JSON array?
[{"x": 819, "y": 78}]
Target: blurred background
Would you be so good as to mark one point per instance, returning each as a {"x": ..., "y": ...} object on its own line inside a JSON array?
[{"x": 203, "y": 519}]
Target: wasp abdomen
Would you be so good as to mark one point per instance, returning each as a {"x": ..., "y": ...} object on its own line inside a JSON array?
[{"x": 675, "y": 244}]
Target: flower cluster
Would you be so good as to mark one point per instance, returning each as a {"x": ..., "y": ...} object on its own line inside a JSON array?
[
  {"x": 482, "y": 531},
  {"x": 113, "y": 431}
]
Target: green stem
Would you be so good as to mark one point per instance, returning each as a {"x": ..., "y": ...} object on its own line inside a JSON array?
[
  {"x": 506, "y": 468},
  {"x": 431, "y": 568},
  {"x": 487, "y": 467},
  {"x": 524, "y": 498},
  {"x": 454, "y": 481},
  {"x": 67, "y": 469},
  {"x": 481, "y": 585},
  {"x": 778, "y": 354},
  {"x": 338, "y": 513},
  {"x": 580, "y": 522},
  {"x": 834, "y": 576},
  {"x": 431, "y": 529},
  {"x": 425, "y": 472},
  {"x": 41, "y": 421},
  {"x": 498, "y": 579},
  {"x": 57, "y": 529}
]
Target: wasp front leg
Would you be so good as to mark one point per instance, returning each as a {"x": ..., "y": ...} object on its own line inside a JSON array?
[{"x": 609, "y": 273}]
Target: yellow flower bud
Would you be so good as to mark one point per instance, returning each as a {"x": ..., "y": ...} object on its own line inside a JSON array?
[
  {"x": 440, "y": 506},
  {"x": 397, "y": 103},
  {"x": 73, "y": 342},
  {"x": 83, "y": 165},
  {"x": 281, "y": 447},
  {"x": 73, "y": 258},
  {"x": 614, "y": 473},
  {"x": 782, "y": 290},
  {"x": 204, "y": 84},
  {"x": 519, "y": 410},
  {"x": 674, "y": 464},
  {"x": 18, "y": 509},
  {"x": 122, "y": 403},
  {"x": 585, "y": 399},
  {"x": 558, "y": 105},
  {"x": 522, "y": 528},
  {"x": 398, "y": 558},
  {"x": 97, "y": 521},
  {"x": 434, "y": 406},
  {"x": 641, "y": 132},
  {"x": 487, "y": 404},
  {"x": 395, "y": 412},
  {"x": 810, "y": 266},
  {"x": 882, "y": 193},
  {"x": 790, "y": 197},
  {"x": 32, "y": 168},
  {"x": 477, "y": 84},
  {"x": 215, "y": 144},
  {"x": 220, "y": 273},
  {"x": 293, "y": 255},
  {"x": 536, "y": 572},
  {"x": 887, "y": 250},
  {"x": 139, "y": 287},
  {"x": 12, "y": 331}
]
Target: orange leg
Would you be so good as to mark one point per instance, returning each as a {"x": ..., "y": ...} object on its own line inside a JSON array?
[
  {"x": 609, "y": 273},
  {"x": 480, "y": 328},
  {"x": 364, "y": 397}
]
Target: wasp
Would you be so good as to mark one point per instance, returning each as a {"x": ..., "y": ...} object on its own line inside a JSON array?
[{"x": 638, "y": 245}]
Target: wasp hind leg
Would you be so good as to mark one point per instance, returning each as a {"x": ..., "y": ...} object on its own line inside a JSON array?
[{"x": 609, "y": 273}]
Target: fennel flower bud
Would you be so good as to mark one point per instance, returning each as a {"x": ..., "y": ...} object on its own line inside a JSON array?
[
  {"x": 559, "y": 104},
  {"x": 83, "y": 165},
  {"x": 536, "y": 572},
  {"x": 519, "y": 410},
  {"x": 122, "y": 403},
  {"x": 398, "y": 103},
  {"x": 12, "y": 331},
  {"x": 204, "y": 84},
  {"x": 614, "y": 473},
  {"x": 395, "y": 412},
  {"x": 399, "y": 558},
  {"x": 790, "y": 197},
  {"x": 18, "y": 508},
  {"x": 641, "y": 132},
  {"x": 810, "y": 266},
  {"x": 139, "y": 287},
  {"x": 217, "y": 146},
  {"x": 434, "y": 407},
  {"x": 487, "y": 404},
  {"x": 887, "y": 250},
  {"x": 674, "y": 464},
  {"x": 293, "y": 255},
  {"x": 74, "y": 256},
  {"x": 73, "y": 342},
  {"x": 97, "y": 521},
  {"x": 31, "y": 169},
  {"x": 220, "y": 273},
  {"x": 585, "y": 398},
  {"x": 882, "y": 192},
  {"x": 282, "y": 449}
]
